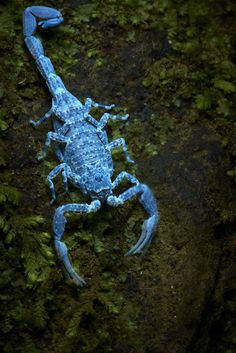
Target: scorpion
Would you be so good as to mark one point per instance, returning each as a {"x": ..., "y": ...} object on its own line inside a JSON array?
[{"x": 83, "y": 149}]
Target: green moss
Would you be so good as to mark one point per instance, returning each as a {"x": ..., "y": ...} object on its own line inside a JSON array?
[
  {"x": 9, "y": 194},
  {"x": 195, "y": 81},
  {"x": 112, "y": 301}
]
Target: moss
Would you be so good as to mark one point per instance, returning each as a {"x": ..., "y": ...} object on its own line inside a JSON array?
[
  {"x": 26, "y": 267},
  {"x": 191, "y": 82},
  {"x": 9, "y": 194}
]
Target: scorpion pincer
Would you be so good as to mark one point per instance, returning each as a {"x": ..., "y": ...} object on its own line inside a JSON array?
[{"x": 83, "y": 149}]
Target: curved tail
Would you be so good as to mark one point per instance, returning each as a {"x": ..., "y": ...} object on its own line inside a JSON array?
[{"x": 44, "y": 17}]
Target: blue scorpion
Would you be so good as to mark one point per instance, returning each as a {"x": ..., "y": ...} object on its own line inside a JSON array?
[{"x": 85, "y": 154}]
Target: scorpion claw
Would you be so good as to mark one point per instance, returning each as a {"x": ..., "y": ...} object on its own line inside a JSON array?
[
  {"x": 145, "y": 239},
  {"x": 71, "y": 275},
  {"x": 66, "y": 265},
  {"x": 59, "y": 222},
  {"x": 148, "y": 201}
]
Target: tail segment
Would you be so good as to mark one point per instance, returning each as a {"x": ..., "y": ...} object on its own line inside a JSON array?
[{"x": 44, "y": 17}]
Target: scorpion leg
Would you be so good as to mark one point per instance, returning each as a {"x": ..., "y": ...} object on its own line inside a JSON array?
[
  {"x": 58, "y": 226},
  {"x": 65, "y": 177},
  {"x": 59, "y": 154},
  {"x": 103, "y": 137},
  {"x": 120, "y": 142},
  {"x": 65, "y": 169},
  {"x": 91, "y": 119},
  {"x": 90, "y": 103},
  {"x": 57, "y": 125},
  {"x": 101, "y": 134},
  {"x": 147, "y": 200},
  {"x": 59, "y": 150},
  {"x": 66, "y": 173},
  {"x": 52, "y": 136},
  {"x": 41, "y": 120},
  {"x": 104, "y": 119}
]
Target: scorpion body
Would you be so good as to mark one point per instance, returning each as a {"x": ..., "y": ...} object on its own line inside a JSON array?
[{"x": 86, "y": 154}]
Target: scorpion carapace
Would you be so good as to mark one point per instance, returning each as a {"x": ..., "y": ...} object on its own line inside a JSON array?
[{"x": 84, "y": 152}]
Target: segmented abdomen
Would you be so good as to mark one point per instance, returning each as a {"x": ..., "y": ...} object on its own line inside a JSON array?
[{"x": 86, "y": 150}]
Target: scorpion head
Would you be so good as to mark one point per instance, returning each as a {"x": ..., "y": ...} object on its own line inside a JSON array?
[{"x": 100, "y": 186}]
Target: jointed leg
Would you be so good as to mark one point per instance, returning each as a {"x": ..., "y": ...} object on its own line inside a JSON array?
[
  {"x": 91, "y": 119},
  {"x": 59, "y": 168},
  {"x": 65, "y": 177},
  {"x": 65, "y": 128},
  {"x": 120, "y": 142},
  {"x": 75, "y": 178},
  {"x": 59, "y": 154},
  {"x": 103, "y": 136},
  {"x": 41, "y": 120},
  {"x": 59, "y": 222},
  {"x": 90, "y": 103},
  {"x": 66, "y": 173},
  {"x": 52, "y": 136},
  {"x": 105, "y": 117},
  {"x": 147, "y": 199}
]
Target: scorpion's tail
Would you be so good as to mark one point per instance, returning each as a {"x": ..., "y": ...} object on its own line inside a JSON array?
[{"x": 44, "y": 17}]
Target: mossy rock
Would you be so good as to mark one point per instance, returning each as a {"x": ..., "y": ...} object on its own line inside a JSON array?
[{"x": 169, "y": 65}]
